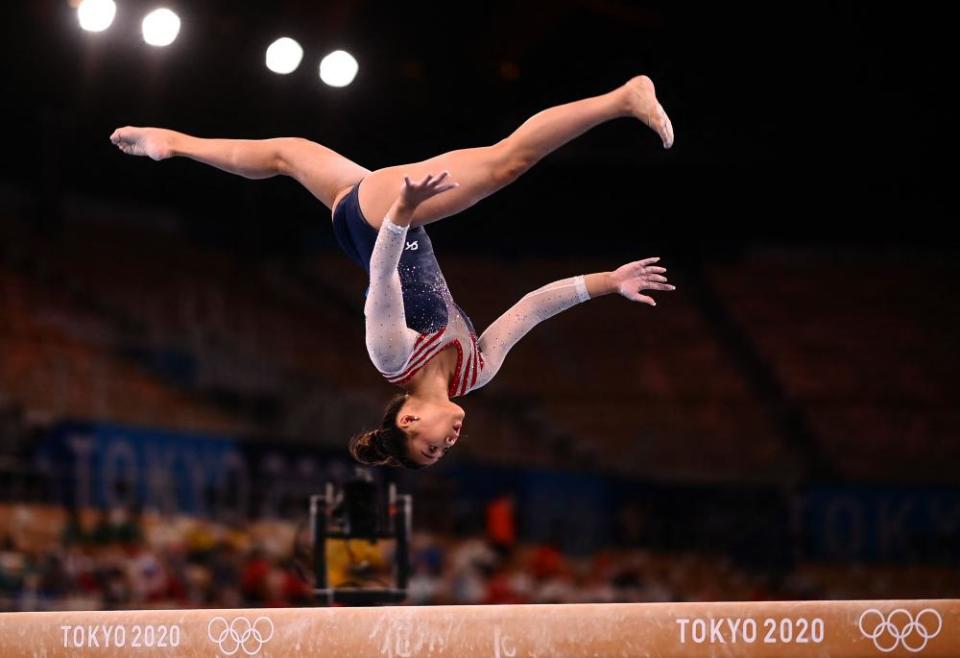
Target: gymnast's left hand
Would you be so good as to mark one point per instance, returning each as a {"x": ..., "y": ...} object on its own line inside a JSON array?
[
  {"x": 416, "y": 192},
  {"x": 632, "y": 279}
]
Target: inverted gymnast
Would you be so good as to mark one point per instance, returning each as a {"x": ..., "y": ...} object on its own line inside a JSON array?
[{"x": 417, "y": 337}]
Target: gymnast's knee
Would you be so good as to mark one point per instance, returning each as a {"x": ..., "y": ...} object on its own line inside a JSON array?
[
  {"x": 510, "y": 162},
  {"x": 287, "y": 151}
]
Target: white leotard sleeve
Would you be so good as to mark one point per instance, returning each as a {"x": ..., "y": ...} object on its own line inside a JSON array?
[
  {"x": 389, "y": 340},
  {"x": 531, "y": 310}
]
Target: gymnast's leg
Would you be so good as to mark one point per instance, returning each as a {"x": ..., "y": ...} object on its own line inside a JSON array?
[
  {"x": 324, "y": 172},
  {"x": 482, "y": 171}
]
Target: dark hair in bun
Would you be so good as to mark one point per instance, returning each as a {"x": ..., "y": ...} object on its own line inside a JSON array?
[{"x": 386, "y": 445}]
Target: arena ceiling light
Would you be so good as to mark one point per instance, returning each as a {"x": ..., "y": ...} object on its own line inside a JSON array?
[
  {"x": 161, "y": 27},
  {"x": 96, "y": 15},
  {"x": 338, "y": 69},
  {"x": 284, "y": 55}
]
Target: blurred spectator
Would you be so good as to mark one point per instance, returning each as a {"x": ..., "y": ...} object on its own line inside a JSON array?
[
  {"x": 74, "y": 532},
  {"x": 471, "y": 562},
  {"x": 428, "y": 563},
  {"x": 253, "y": 580},
  {"x": 501, "y": 525}
]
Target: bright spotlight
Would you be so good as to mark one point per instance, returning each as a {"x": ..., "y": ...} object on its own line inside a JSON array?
[
  {"x": 96, "y": 15},
  {"x": 161, "y": 27},
  {"x": 338, "y": 69},
  {"x": 284, "y": 55}
]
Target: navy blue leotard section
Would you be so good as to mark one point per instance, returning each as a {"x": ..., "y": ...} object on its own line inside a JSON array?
[{"x": 425, "y": 292}]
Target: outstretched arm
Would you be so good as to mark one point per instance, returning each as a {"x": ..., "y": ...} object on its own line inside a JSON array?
[
  {"x": 628, "y": 280},
  {"x": 389, "y": 340}
]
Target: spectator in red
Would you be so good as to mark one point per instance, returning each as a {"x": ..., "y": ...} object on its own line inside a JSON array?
[
  {"x": 500, "y": 588},
  {"x": 253, "y": 581},
  {"x": 546, "y": 562},
  {"x": 501, "y": 525}
]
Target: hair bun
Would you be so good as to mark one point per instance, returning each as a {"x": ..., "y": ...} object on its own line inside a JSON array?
[{"x": 366, "y": 449}]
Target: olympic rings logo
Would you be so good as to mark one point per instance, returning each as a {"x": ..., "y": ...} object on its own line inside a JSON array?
[
  {"x": 899, "y": 628},
  {"x": 240, "y": 634}
]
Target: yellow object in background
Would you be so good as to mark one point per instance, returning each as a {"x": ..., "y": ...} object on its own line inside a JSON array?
[{"x": 352, "y": 561}]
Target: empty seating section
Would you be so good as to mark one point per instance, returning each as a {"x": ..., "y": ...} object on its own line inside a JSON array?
[{"x": 852, "y": 344}]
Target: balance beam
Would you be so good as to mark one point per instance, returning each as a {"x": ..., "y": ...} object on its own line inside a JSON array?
[{"x": 807, "y": 629}]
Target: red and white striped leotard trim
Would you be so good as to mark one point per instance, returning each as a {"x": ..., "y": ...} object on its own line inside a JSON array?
[{"x": 469, "y": 359}]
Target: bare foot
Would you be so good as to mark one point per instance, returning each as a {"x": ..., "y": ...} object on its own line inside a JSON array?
[
  {"x": 155, "y": 143},
  {"x": 642, "y": 103}
]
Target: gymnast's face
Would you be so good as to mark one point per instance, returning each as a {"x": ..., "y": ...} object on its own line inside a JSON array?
[{"x": 432, "y": 428}]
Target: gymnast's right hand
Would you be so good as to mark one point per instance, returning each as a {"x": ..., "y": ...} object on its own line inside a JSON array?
[
  {"x": 155, "y": 143},
  {"x": 632, "y": 279},
  {"x": 416, "y": 192}
]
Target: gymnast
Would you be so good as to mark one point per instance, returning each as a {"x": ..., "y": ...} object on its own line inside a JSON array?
[{"x": 416, "y": 335}]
